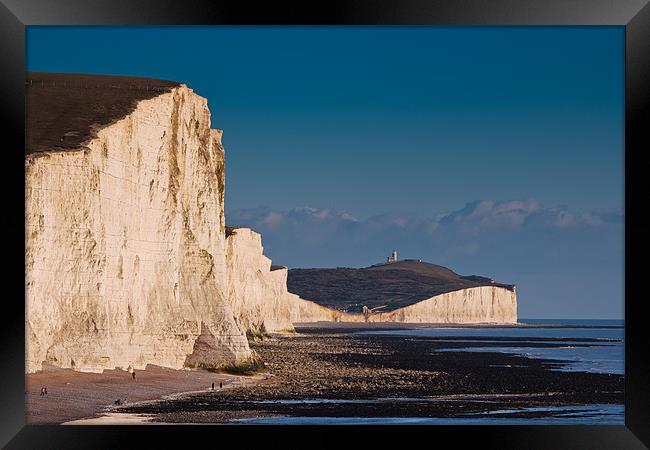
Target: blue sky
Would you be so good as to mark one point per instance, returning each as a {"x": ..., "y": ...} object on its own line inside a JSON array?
[{"x": 495, "y": 151}]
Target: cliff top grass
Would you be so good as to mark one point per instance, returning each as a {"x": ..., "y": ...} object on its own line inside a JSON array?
[
  {"x": 63, "y": 111},
  {"x": 393, "y": 285}
]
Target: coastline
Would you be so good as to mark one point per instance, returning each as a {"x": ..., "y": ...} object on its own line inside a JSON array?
[
  {"x": 332, "y": 327},
  {"x": 331, "y": 375}
]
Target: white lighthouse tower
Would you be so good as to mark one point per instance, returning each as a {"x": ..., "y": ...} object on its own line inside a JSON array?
[{"x": 392, "y": 258}]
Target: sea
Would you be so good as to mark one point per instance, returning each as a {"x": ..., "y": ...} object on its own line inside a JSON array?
[{"x": 606, "y": 353}]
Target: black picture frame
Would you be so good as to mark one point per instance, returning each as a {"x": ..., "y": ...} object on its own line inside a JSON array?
[{"x": 634, "y": 15}]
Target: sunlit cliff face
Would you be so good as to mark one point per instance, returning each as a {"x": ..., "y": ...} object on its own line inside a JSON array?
[{"x": 125, "y": 259}]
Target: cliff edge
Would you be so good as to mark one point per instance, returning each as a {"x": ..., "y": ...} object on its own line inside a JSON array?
[
  {"x": 391, "y": 286},
  {"x": 406, "y": 291},
  {"x": 257, "y": 290},
  {"x": 125, "y": 240}
]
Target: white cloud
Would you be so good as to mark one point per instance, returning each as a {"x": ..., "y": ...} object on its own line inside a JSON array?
[{"x": 474, "y": 218}]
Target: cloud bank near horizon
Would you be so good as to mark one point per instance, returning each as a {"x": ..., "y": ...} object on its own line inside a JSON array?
[{"x": 565, "y": 263}]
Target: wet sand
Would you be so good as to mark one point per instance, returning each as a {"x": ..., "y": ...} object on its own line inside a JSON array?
[
  {"x": 335, "y": 373},
  {"x": 76, "y": 395}
]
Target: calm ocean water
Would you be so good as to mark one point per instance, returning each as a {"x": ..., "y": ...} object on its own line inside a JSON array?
[{"x": 604, "y": 353}]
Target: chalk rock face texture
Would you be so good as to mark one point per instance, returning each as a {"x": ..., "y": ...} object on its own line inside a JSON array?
[
  {"x": 256, "y": 290},
  {"x": 302, "y": 310},
  {"x": 126, "y": 252},
  {"x": 484, "y": 304}
]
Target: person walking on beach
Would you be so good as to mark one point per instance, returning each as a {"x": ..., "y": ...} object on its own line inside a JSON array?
[
  {"x": 213, "y": 386},
  {"x": 45, "y": 390},
  {"x": 220, "y": 385},
  {"x": 133, "y": 375},
  {"x": 42, "y": 391}
]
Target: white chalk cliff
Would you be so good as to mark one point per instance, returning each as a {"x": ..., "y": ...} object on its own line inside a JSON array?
[
  {"x": 256, "y": 290},
  {"x": 478, "y": 305},
  {"x": 409, "y": 291},
  {"x": 125, "y": 244},
  {"x": 483, "y": 304}
]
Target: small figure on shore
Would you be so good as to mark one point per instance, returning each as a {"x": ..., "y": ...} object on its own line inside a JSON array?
[
  {"x": 42, "y": 391},
  {"x": 133, "y": 375},
  {"x": 213, "y": 386},
  {"x": 45, "y": 388},
  {"x": 220, "y": 385},
  {"x": 117, "y": 402}
]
